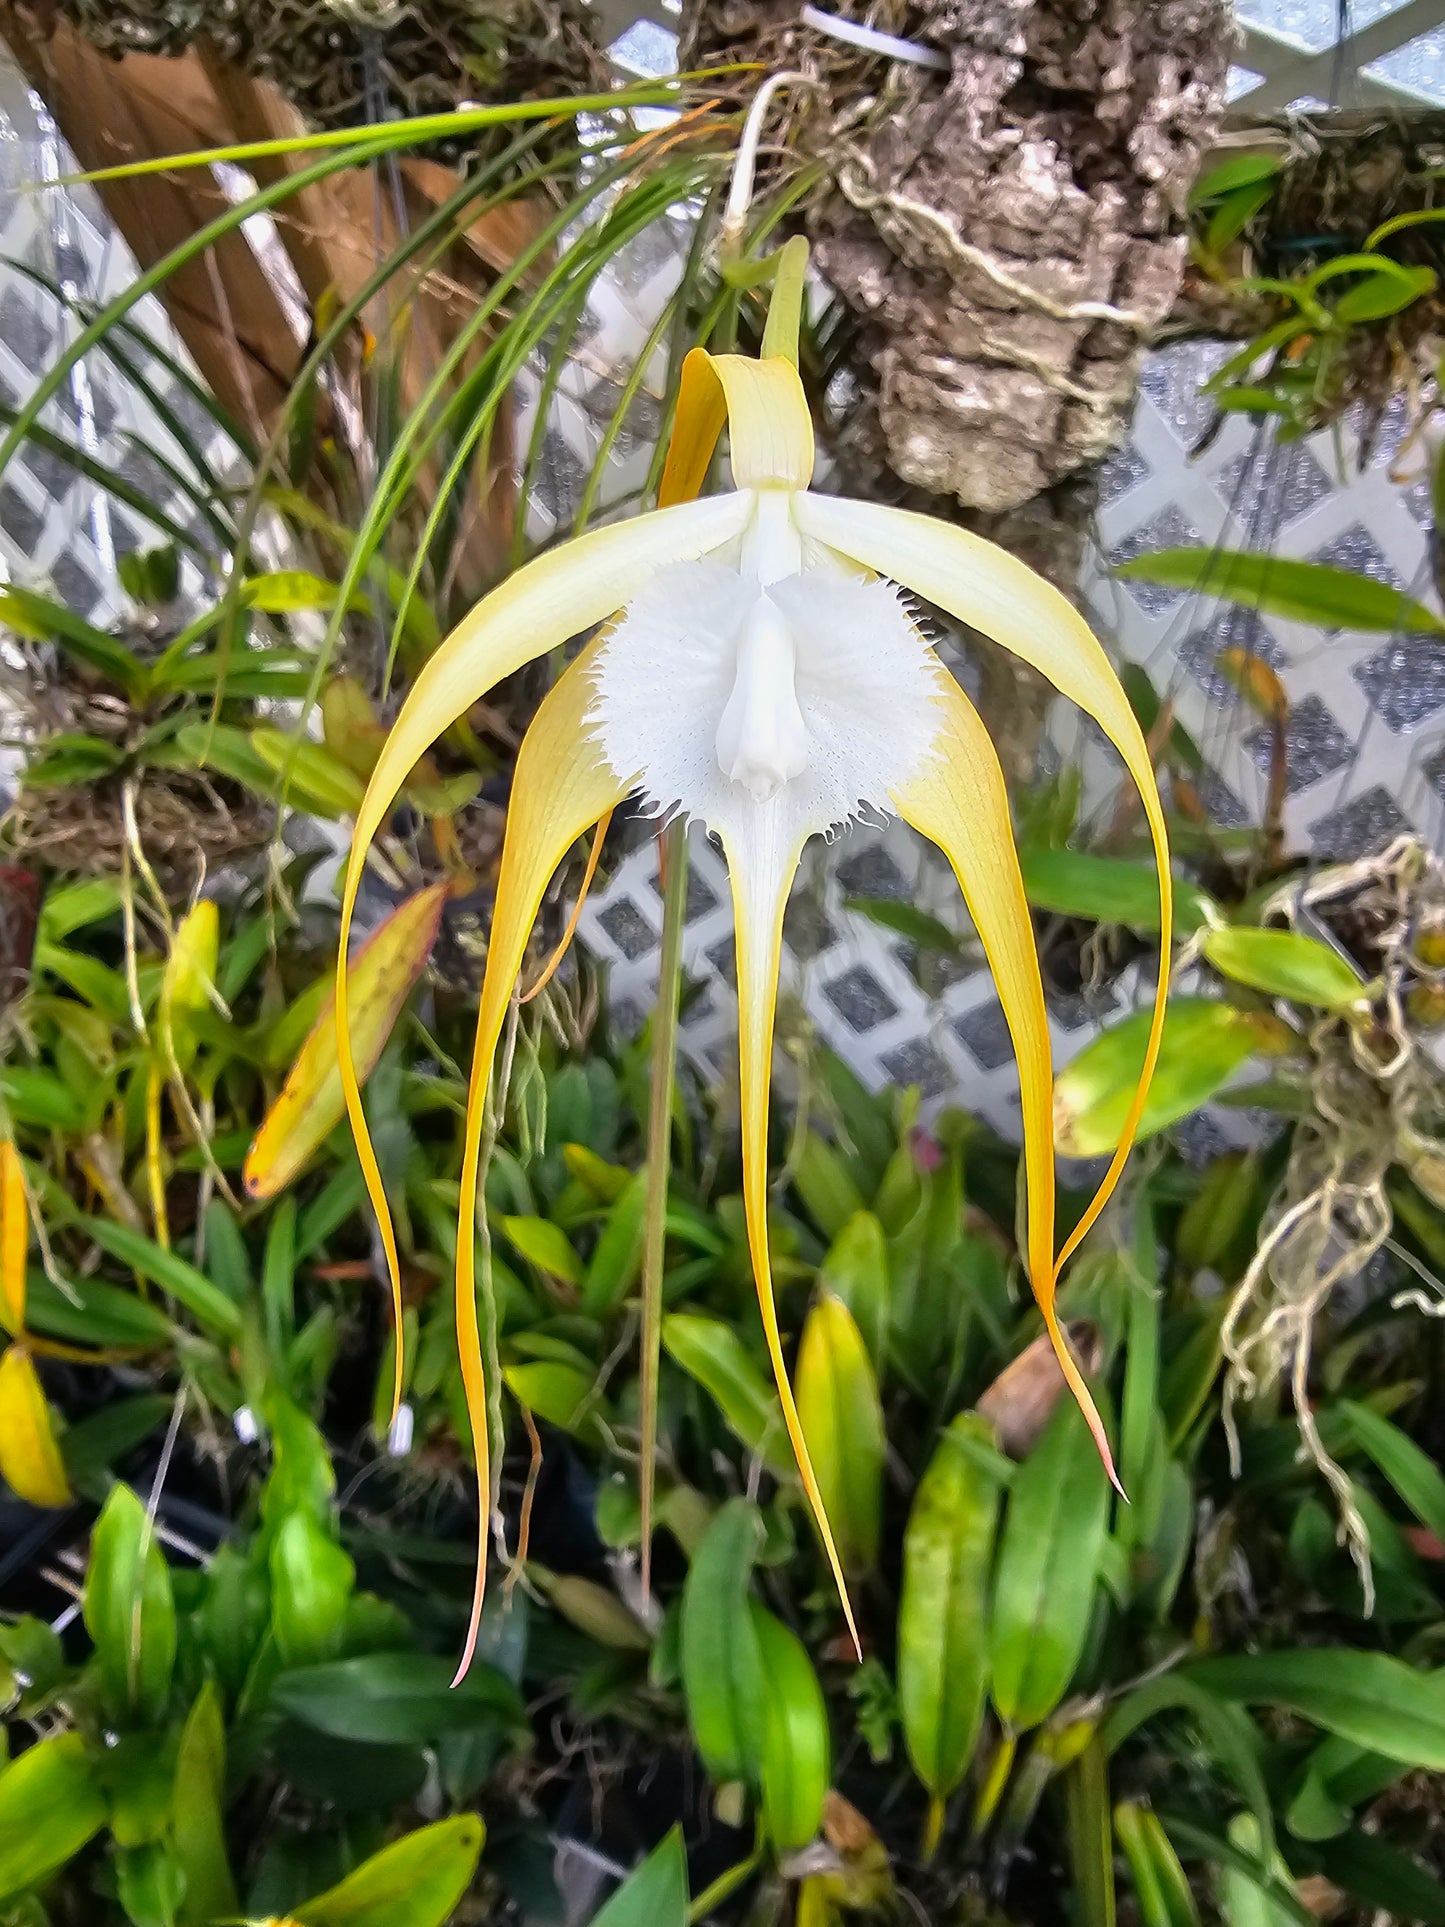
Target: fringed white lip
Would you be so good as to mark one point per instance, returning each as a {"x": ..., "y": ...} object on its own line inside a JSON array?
[{"x": 814, "y": 697}]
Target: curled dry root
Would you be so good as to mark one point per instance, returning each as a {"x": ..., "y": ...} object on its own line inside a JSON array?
[{"x": 1377, "y": 1098}]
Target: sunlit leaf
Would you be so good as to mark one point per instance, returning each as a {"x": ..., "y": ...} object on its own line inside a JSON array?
[
  {"x": 50, "y": 1805},
  {"x": 1285, "y": 963},
  {"x": 842, "y": 1420},
  {"x": 417, "y": 1881},
  {"x": 189, "y": 980},
  {"x": 1205, "y": 1043}
]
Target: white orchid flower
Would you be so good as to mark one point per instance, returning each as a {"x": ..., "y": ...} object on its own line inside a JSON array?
[{"x": 760, "y": 670}]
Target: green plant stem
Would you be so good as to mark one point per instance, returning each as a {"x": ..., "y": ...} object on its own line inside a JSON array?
[
  {"x": 932, "y": 1829},
  {"x": 673, "y": 852},
  {"x": 726, "y": 1884}
]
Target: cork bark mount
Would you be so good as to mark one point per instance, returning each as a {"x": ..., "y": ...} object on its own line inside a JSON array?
[{"x": 1011, "y": 231}]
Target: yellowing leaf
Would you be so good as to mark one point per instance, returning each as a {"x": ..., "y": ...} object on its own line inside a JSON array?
[
  {"x": 30, "y": 1461},
  {"x": 350, "y": 726},
  {"x": 14, "y": 1239},
  {"x": 593, "y": 1610},
  {"x": 417, "y": 1881},
  {"x": 190, "y": 975},
  {"x": 1252, "y": 676},
  {"x": 310, "y": 1106},
  {"x": 287, "y": 591}
]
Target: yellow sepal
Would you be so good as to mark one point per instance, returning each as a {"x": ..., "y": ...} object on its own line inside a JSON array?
[
  {"x": 560, "y": 788},
  {"x": 770, "y": 429},
  {"x": 762, "y": 872},
  {"x": 993, "y": 591},
  {"x": 960, "y": 802},
  {"x": 554, "y": 597}
]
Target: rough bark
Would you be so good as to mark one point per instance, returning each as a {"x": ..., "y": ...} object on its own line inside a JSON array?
[{"x": 1011, "y": 231}]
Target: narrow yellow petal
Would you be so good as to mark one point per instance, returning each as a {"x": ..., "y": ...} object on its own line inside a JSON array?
[
  {"x": 762, "y": 872},
  {"x": 30, "y": 1460},
  {"x": 961, "y": 803},
  {"x": 993, "y": 591},
  {"x": 14, "y": 1239},
  {"x": 560, "y": 788},
  {"x": 770, "y": 430},
  {"x": 539, "y": 607},
  {"x": 554, "y": 962}
]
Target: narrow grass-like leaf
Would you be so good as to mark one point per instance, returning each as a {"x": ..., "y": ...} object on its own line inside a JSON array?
[
  {"x": 192, "y": 1288},
  {"x": 1371, "y": 1698},
  {"x": 1313, "y": 592},
  {"x": 1412, "y": 1472}
]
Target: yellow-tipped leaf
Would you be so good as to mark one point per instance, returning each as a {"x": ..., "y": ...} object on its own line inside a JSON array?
[
  {"x": 30, "y": 1461},
  {"x": 14, "y": 1239},
  {"x": 310, "y": 1104}
]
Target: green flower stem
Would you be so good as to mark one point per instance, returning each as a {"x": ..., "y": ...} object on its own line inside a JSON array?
[
  {"x": 726, "y": 1884},
  {"x": 673, "y": 853}
]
